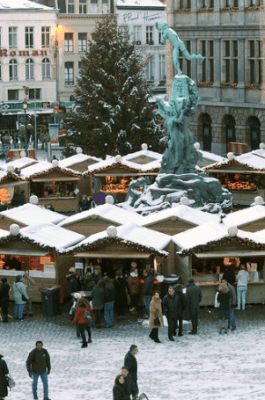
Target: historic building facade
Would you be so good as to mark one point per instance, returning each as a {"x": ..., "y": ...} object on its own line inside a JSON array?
[
  {"x": 228, "y": 33},
  {"x": 139, "y": 17}
]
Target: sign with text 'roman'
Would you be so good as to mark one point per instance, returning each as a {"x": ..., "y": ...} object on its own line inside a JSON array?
[{"x": 23, "y": 53}]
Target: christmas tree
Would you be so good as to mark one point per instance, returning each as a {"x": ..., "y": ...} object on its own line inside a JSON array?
[{"x": 113, "y": 114}]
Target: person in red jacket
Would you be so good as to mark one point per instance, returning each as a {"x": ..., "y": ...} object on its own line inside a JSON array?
[{"x": 83, "y": 323}]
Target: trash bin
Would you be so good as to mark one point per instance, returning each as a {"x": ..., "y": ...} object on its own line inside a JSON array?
[
  {"x": 50, "y": 301},
  {"x": 169, "y": 280}
]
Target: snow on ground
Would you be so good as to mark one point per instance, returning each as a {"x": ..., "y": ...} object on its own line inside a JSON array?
[{"x": 208, "y": 366}]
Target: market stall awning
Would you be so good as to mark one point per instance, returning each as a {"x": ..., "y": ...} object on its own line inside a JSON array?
[
  {"x": 111, "y": 255},
  {"x": 236, "y": 253},
  {"x": 22, "y": 252}
]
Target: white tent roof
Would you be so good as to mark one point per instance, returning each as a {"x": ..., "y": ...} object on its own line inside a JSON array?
[
  {"x": 251, "y": 160},
  {"x": 20, "y": 163},
  {"x": 106, "y": 211},
  {"x": 52, "y": 236},
  {"x": 211, "y": 156},
  {"x": 35, "y": 169},
  {"x": 244, "y": 216},
  {"x": 192, "y": 215},
  {"x": 112, "y": 161},
  {"x": 29, "y": 213},
  {"x": 76, "y": 159},
  {"x": 147, "y": 153}
]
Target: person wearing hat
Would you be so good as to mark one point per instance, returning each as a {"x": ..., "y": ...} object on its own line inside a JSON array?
[
  {"x": 4, "y": 298},
  {"x": 3, "y": 373},
  {"x": 20, "y": 292},
  {"x": 242, "y": 285}
]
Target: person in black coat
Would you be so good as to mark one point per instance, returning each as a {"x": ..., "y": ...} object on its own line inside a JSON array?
[
  {"x": 85, "y": 203},
  {"x": 229, "y": 276},
  {"x": 73, "y": 281},
  {"x": 173, "y": 305},
  {"x": 129, "y": 386},
  {"x": 119, "y": 392},
  {"x": 224, "y": 307},
  {"x": 121, "y": 290},
  {"x": 193, "y": 299},
  {"x": 4, "y": 298},
  {"x": 21, "y": 198},
  {"x": 147, "y": 289},
  {"x": 3, "y": 372},
  {"x": 131, "y": 362}
]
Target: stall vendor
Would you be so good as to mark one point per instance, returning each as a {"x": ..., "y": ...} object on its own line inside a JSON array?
[{"x": 12, "y": 262}]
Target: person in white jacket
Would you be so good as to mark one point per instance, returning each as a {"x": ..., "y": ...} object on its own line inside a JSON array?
[
  {"x": 20, "y": 296},
  {"x": 242, "y": 285}
]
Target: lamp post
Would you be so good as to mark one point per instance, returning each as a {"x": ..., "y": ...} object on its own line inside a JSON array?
[{"x": 24, "y": 128}]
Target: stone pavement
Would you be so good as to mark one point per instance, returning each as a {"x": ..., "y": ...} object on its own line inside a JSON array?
[{"x": 205, "y": 366}]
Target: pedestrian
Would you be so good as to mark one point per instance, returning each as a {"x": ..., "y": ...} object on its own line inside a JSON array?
[
  {"x": 129, "y": 386},
  {"x": 109, "y": 298},
  {"x": 21, "y": 198},
  {"x": 73, "y": 281},
  {"x": 193, "y": 299},
  {"x": 134, "y": 285},
  {"x": 3, "y": 382},
  {"x": 85, "y": 203},
  {"x": 97, "y": 273},
  {"x": 131, "y": 362},
  {"x": 84, "y": 325},
  {"x": 20, "y": 293},
  {"x": 39, "y": 365},
  {"x": 173, "y": 306},
  {"x": 121, "y": 290},
  {"x": 242, "y": 285},
  {"x": 98, "y": 302},
  {"x": 4, "y": 298},
  {"x": 180, "y": 307},
  {"x": 29, "y": 283},
  {"x": 156, "y": 316},
  {"x": 147, "y": 289},
  {"x": 119, "y": 392},
  {"x": 229, "y": 276},
  {"x": 232, "y": 319},
  {"x": 224, "y": 307},
  {"x": 73, "y": 309},
  {"x": 88, "y": 283}
]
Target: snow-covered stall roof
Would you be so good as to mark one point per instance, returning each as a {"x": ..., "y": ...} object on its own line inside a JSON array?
[
  {"x": 123, "y": 163},
  {"x": 140, "y": 3},
  {"x": 22, "y": 5},
  {"x": 29, "y": 213},
  {"x": 192, "y": 215},
  {"x": 152, "y": 155},
  {"x": 20, "y": 163},
  {"x": 36, "y": 168},
  {"x": 51, "y": 235},
  {"x": 245, "y": 216},
  {"x": 76, "y": 159},
  {"x": 107, "y": 212},
  {"x": 210, "y": 158},
  {"x": 248, "y": 160},
  {"x": 130, "y": 235},
  {"x": 203, "y": 237},
  {"x": 4, "y": 233},
  {"x": 4, "y": 175},
  {"x": 259, "y": 152}
]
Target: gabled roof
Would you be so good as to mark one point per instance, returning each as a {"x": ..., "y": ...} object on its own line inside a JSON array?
[
  {"x": 107, "y": 212},
  {"x": 29, "y": 213},
  {"x": 20, "y": 163},
  {"x": 76, "y": 159},
  {"x": 111, "y": 163},
  {"x": 182, "y": 212},
  {"x": 44, "y": 169},
  {"x": 4, "y": 176},
  {"x": 245, "y": 216},
  {"x": 249, "y": 161},
  {"x": 36, "y": 168},
  {"x": 213, "y": 158},
  {"x": 22, "y": 5},
  {"x": 131, "y": 235},
  {"x": 144, "y": 153}
]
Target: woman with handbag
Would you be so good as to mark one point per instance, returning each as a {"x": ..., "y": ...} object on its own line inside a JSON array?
[
  {"x": 84, "y": 324},
  {"x": 20, "y": 297},
  {"x": 156, "y": 316},
  {"x": 3, "y": 378}
]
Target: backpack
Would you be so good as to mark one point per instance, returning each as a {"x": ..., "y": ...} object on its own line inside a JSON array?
[{"x": 87, "y": 316}]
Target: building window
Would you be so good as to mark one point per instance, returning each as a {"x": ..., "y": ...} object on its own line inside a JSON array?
[
  {"x": 29, "y": 69},
  {"x": 230, "y": 127},
  {"x": 230, "y": 3},
  {"x": 254, "y": 125},
  {"x": 137, "y": 34},
  {"x": 207, "y": 67},
  {"x": 206, "y": 132},
  {"x": 82, "y": 7},
  {"x": 45, "y": 36},
  {"x": 29, "y": 39},
  {"x": 185, "y": 65},
  {"x": 68, "y": 42},
  {"x": 254, "y": 58},
  {"x": 162, "y": 69},
  {"x": 34, "y": 94},
  {"x": 46, "y": 69},
  {"x": 230, "y": 51},
  {"x": 94, "y": 6},
  {"x": 149, "y": 35},
  {"x": 82, "y": 42},
  {"x": 150, "y": 69},
  {"x": 183, "y": 4},
  {"x": 12, "y": 32},
  {"x": 13, "y": 70},
  {"x": 71, "y": 6},
  {"x": 12, "y": 94},
  {"x": 69, "y": 73},
  {"x": 105, "y": 6}
]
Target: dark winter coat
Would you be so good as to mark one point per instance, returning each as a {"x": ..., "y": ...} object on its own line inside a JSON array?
[
  {"x": 131, "y": 362},
  {"x": 232, "y": 294},
  {"x": 121, "y": 288},
  {"x": 224, "y": 300},
  {"x": 109, "y": 292},
  {"x": 84, "y": 205},
  {"x": 193, "y": 295},
  {"x": 4, "y": 295},
  {"x": 73, "y": 284},
  {"x": 38, "y": 361},
  {"x": 3, "y": 372},
  {"x": 98, "y": 298},
  {"x": 229, "y": 276},
  {"x": 21, "y": 199},
  {"x": 89, "y": 284},
  {"x": 119, "y": 392},
  {"x": 147, "y": 288},
  {"x": 129, "y": 386},
  {"x": 173, "y": 306}
]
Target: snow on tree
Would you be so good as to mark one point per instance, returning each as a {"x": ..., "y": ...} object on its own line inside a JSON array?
[{"x": 113, "y": 114}]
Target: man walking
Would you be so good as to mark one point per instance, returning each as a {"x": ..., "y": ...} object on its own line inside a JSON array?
[
  {"x": 129, "y": 386},
  {"x": 232, "y": 319},
  {"x": 131, "y": 362},
  {"x": 147, "y": 289},
  {"x": 193, "y": 297},
  {"x": 38, "y": 364},
  {"x": 170, "y": 310},
  {"x": 109, "y": 298}
]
